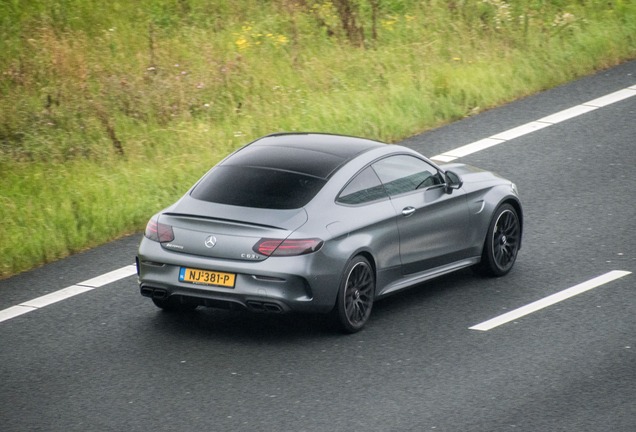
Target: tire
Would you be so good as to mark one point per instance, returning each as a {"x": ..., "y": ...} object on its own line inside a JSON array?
[
  {"x": 175, "y": 304},
  {"x": 502, "y": 243},
  {"x": 355, "y": 296}
]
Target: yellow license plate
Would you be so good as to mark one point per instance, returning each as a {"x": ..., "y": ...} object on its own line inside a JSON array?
[{"x": 207, "y": 277}]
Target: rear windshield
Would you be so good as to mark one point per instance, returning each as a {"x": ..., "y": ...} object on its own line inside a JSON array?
[{"x": 257, "y": 187}]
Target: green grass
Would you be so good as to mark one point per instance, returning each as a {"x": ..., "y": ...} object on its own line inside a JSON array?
[{"x": 84, "y": 81}]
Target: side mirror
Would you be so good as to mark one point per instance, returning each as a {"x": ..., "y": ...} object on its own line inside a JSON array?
[{"x": 453, "y": 181}]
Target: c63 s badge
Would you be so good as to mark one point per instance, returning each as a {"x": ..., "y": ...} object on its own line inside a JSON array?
[{"x": 250, "y": 256}]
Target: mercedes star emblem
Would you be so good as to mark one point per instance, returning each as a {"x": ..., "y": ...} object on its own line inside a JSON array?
[{"x": 210, "y": 241}]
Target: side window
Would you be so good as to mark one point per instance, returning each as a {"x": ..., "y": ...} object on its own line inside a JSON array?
[
  {"x": 364, "y": 188},
  {"x": 404, "y": 173}
]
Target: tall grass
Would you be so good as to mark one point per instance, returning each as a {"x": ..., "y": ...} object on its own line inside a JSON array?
[{"x": 110, "y": 110}]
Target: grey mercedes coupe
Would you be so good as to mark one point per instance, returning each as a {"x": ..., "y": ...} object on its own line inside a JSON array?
[{"x": 312, "y": 222}]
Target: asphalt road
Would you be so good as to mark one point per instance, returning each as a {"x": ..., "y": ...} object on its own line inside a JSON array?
[{"x": 109, "y": 360}]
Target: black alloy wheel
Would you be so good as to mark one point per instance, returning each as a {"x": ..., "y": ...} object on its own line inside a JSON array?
[
  {"x": 355, "y": 297},
  {"x": 506, "y": 239},
  {"x": 502, "y": 242}
]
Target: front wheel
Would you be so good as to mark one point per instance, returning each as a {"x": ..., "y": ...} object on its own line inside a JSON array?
[
  {"x": 355, "y": 297},
  {"x": 502, "y": 242}
]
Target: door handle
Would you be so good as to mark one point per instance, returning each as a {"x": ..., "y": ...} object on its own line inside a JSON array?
[{"x": 408, "y": 211}]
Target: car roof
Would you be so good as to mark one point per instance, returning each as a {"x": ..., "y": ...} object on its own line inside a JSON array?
[{"x": 313, "y": 154}]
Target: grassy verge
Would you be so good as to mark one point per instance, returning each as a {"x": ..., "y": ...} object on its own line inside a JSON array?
[{"x": 109, "y": 111}]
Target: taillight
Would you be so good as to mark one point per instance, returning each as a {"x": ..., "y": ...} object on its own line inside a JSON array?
[
  {"x": 158, "y": 232},
  {"x": 278, "y": 247}
]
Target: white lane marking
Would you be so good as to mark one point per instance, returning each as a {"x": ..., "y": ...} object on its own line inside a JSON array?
[
  {"x": 444, "y": 158},
  {"x": 109, "y": 277},
  {"x": 536, "y": 125},
  {"x": 56, "y": 296},
  {"x": 471, "y": 148},
  {"x": 64, "y": 293},
  {"x": 520, "y": 130},
  {"x": 567, "y": 114},
  {"x": 14, "y": 311},
  {"x": 549, "y": 300},
  {"x": 611, "y": 98}
]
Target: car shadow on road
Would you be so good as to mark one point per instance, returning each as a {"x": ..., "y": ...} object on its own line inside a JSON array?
[
  {"x": 207, "y": 323},
  {"x": 421, "y": 295}
]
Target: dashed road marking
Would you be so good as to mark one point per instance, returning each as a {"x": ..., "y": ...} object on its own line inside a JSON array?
[
  {"x": 14, "y": 311},
  {"x": 567, "y": 114},
  {"x": 471, "y": 148},
  {"x": 110, "y": 277},
  {"x": 64, "y": 293},
  {"x": 56, "y": 296},
  {"x": 534, "y": 126},
  {"x": 525, "y": 129},
  {"x": 550, "y": 300},
  {"x": 611, "y": 98}
]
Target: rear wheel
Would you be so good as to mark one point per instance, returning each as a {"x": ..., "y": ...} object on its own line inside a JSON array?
[
  {"x": 175, "y": 304},
  {"x": 355, "y": 297},
  {"x": 502, "y": 242}
]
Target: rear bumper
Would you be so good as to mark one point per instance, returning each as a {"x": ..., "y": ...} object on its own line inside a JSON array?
[
  {"x": 217, "y": 300},
  {"x": 306, "y": 283}
]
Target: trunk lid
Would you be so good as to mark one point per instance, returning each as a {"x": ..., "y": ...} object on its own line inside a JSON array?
[{"x": 227, "y": 232}]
